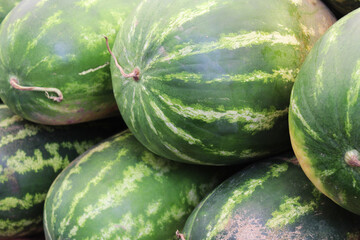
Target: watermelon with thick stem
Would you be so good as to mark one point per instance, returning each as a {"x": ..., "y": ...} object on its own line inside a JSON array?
[
  {"x": 31, "y": 156},
  {"x": 203, "y": 88},
  {"x": 120, "y": 190},
  {"x": 324, "y": 118},
  {"x": 55, "y": 50},
  {"x": 270, "y": 200}
]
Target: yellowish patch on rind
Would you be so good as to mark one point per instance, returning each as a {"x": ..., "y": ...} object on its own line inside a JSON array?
[{"x": 299, "y": 148}]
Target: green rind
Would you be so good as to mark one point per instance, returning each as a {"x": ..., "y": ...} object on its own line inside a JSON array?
[
  {"x": 213, "y": 90},
  {"x": 323, "y": 118},
  {"x": 120, "y": 190},
  {"x": 5, "y": 7},
  {"x": 269, "y": 200},
  {"x": 31, "y": 156},
  {"x": 60, "y": 44}
]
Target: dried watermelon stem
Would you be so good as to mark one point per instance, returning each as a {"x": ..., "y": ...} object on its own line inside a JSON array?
[
  {"x": 134, "y": 74},
  {"x": 15, "y": 84},
  {"x": 180, "y": 235},
  {"x": 352, "y": 158}
]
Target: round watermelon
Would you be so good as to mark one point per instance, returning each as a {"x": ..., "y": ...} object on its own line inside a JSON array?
[
  {"x": 324, "y": 117},
  {"x": 31, "y": 156},
  {"x": 54, "y": 65},
  {"x": 120, "y": 190},
  {"x": 270, "y": 200},
  {"x": 208, "y": 89}
]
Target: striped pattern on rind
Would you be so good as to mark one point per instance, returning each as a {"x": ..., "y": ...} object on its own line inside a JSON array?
[
  {"x": 5, "y": 7},
  {"x": 120, "y": 190},
  {"x": 31, "y": 156},
  {"x": 323, "y": 118},
  {"x": 269, "y": 200},
  {"x": 60, "y": 44},
  {"x": 213, "y": 90}
]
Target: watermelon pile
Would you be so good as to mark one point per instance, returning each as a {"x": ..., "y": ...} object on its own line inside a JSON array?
[{"x": 179, "y": 119}]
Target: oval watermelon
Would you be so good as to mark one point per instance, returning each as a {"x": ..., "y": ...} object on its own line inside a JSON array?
[
  {"x": 56, "y": 46},
  {"x": 31, "y": 156},
  {"x": 270, "y": 200},
  {"x": 120, "y": 190},
  {"x": 324, "y": 115},
  {"x": 213, "y": 89}
]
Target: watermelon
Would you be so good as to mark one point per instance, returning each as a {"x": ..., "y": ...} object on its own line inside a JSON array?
[
  {"x": 6, "y": 6},
  {"x": 31, "y": 156},
  {"x": 55, "y": 50},
  {"x": 324, "y": 118},
  {"x": 207, "y": 89},
  {"x": 269, "y": 200},
  {"x": 120, "y": 190},
  {"x": 343, "y": 7}
]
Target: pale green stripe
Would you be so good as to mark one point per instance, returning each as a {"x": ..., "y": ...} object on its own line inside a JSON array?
[
  {"x": 10, "y": 121},
  {"x": 178, "y": 131},
  {"x": 254, "y": 121},
  {"x": 180, "y": 154},
  {"x": 48, "y": 24},
  {"x": 86, "y": 4},
  {"x": 12, "y": 32},
  {"x": 291, "y": 209},
  {"x": 352, "y": 96},
  {"x": 332, "y": 35},
  {"x": 94, "y": 181},
  {"x": 90, "y": 39},
  {"x": 297, "y": 113},
  {"x": 132, "y": 111},
  {"x": 174, "y": 213},
  {"x": 9, "y": 203},
  {"x": 286, "y": 74},
  {"x": 11, "y": 228},
  {"x": 231, "y": 42},
  {"x": 148, "y": 118},
  {"x": 241, "y": 194},
  {"x": 114, "y": 196},
  {"x": 175, "y": 22},
  {"x": 160, "y": 165},
  {"x": 132, "y": 227},
  {"x": 41, "y": 3},
  {"x": 28, "y": 131},
  {"x": 48, "y": 60},
  {"x": 76, "y": 169},
  {"x": 319, "y": 83},
  {"x": 3, "y": 106},
  {"x": 21, "y": 163}
]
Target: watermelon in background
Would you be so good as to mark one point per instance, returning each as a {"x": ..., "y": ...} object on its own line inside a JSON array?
[
  {"x": 270, "y": 200},
  {"x": 31, "y": 156},
  {"x": 342, "y": 7},
  {"x": 6, "y": 6},
  {"x": 120, "y": 190},
  {"x": 58, "y": 45},
  {"x": 209, "y": 89},
  {"x": 324, "y": 117}
]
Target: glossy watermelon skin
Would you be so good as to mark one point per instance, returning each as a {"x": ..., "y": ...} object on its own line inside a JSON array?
[
  {"x": 6, "y": 6},
  {"x": 60, "y": 44},
  {"x": 212, "y": 89},
  {"x": 272, "y": 199},
  {"x": 343, "y": 7},
  {"x": 31, "y": 156},
  {"x": 324, "y": 116},
  {"x": 120, "y": 190}
]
